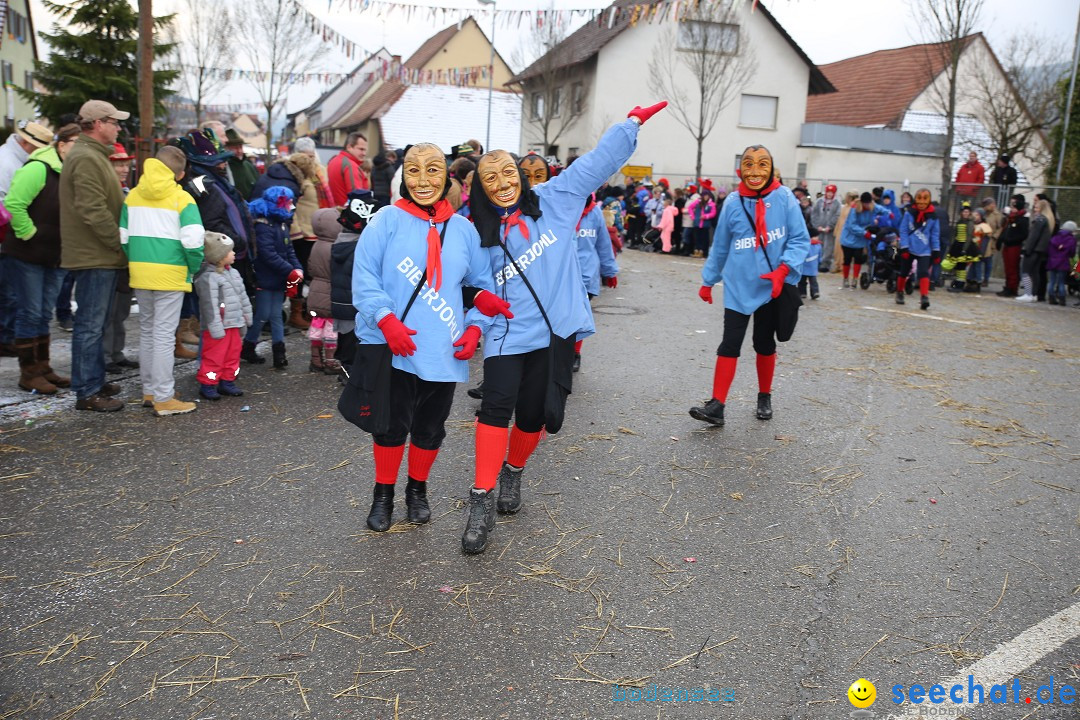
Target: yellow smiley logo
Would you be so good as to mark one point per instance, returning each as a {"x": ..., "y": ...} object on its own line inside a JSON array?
[{"x": 862, "y": 693}]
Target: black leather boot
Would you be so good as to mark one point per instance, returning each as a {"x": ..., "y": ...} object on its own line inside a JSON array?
[
  {"x": 509, "y": 500},
  {"x": 380, "y": 517},
  {"x": 248, "y": 354},
  {"x": 280, "y": 360},
  {"x": 711, "y": 412},
  {"x": 899, "y": 297},
  {"x": 480, "y": 522},
  {"x": 924, "y": 302},
  {"x": 577, "y": 362},
  {"x": 416, "y": 502},
  {"x": 764, "y": 406}
]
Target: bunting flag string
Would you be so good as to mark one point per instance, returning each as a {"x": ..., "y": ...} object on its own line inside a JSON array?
[{"x": 383, "y": 70}]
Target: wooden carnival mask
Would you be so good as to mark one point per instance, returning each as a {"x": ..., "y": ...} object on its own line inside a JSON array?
[
  {"x": 756, "y": 167},
  {"x": 536, "y": 169},
  {"x": 424, "y": 173},
  {"x": 500, "y": 178},
  {"x": 922, "y": 199}
]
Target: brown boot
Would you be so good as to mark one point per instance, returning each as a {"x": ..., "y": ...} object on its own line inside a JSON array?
[
  {"x": 297, "y": 316},
  {"x": 331, "y": 365},
  {"x": 316, "y": 364},
  {"x": 180, "y": 352},
  {"x": 46, "y": 369},
  {"x": 30, "y": 376},
  {"x": 188, "y": 331}
]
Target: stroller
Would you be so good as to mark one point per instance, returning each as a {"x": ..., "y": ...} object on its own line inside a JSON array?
[{"x": 884, "y": 259}]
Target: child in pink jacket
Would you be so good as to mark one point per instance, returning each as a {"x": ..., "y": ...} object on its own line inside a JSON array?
[{"x": 667, "y": 224}]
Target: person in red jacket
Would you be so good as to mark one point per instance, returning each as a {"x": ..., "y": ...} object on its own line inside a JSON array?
[
  {"x": 970, "y": 176},
  {"x": 345, "y": 173}
]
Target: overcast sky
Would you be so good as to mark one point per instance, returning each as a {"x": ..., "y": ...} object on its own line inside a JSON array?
[{"x": 828, "y": 30}]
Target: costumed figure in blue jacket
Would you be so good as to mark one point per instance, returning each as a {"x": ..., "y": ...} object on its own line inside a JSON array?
[
  {"x": 920, "y": 245},
  {"x": 529, "y": 235},
  {"x": 418, "y": 242},
  {"x": 277, "y": 271},
  {"x": 853, "y": 240},
  {"x": 596, "y": 258},
  {"x": 761, "y": 242}
]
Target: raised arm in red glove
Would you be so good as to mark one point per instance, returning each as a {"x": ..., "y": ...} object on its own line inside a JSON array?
[
  {"x": 705, "y": 293},
  {"x": 643, "y": 114},
  {"x": 292, "y": 284},
  {"x": 467, "y": 342},
  {"x": 397, "y": 335},
  {"x": 776, "y": 277},
  {"x": 491, "y": 304},
  {"x": 611, "y": 282}
]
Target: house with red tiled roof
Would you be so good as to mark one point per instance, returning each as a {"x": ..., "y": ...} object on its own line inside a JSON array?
[
  {"x": 886, "y": 122},
  {"x": 449, "y": 58},
  {"x": 594, "y": 76}
]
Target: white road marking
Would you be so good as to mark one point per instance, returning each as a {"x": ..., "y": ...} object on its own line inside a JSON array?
[
  {"x": 1006, "y": 662},
  {"x": 918, "y": 315}
]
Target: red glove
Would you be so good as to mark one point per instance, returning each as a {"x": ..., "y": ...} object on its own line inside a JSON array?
[
  {"x": 776, "y": 277},
  {"x": 467, "y": 342},
  {"x": 705, "y": 293},
  {"x": 491, "y": 304},
  {"x": 643, "y": 114},
  {"x": 397, "y": 335},
  {"x": 611, "y": 282},
  {"x": 292, "y": 284},
  {"x": 905, "y": 255}
]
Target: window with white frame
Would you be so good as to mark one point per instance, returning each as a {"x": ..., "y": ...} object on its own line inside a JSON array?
[
  {"x": 698, "y": 35},
  {"x": 758, "y": 111},
  {"x": 537, "y": 106}
]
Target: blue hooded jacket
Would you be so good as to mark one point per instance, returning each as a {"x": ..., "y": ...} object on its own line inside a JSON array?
[
  {"x": 549, "y": 256},
  {"x": 858, "y": 220},
  {"x": 390, "y": 259},
  {"x": 735, "y": 259},
  {"x": 893, "y": 211},
  {"x": 594, "y": 252},
  {"x": 920, "y": 240},
  {"x": 275, "y": 256}
]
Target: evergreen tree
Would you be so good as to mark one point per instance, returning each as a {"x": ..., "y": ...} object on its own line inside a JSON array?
[
  {"x": 1070, "y": 169},
  {"x": 95, "y": 57}
]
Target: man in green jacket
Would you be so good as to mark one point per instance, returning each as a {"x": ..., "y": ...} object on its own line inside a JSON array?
[
  {"x": 90, "y": 203},
  {"x": 243, "y": 172}
]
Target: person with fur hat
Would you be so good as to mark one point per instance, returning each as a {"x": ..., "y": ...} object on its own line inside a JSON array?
[
  {"x": 322, "y": 334},
  {"x": 224, "y": 310},
  {"x": 278, "y": 273},
  {"x": 761, "y": 243},
  {"x": 415, "y": 257},
  {"x": 161, "y": 233},
  {"x": 529, "y": 237}
]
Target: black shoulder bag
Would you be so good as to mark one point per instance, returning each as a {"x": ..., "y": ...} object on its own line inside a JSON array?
[
  {"x": 788, "y": 301},
  {"x": 560, "y": 362},
  {"x": 365, "y": 401}
]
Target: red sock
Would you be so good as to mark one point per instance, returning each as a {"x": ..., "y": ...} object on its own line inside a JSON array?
[
  {"x": 924, "y": 286},
  {"x": 766, "y": 366},
  {"x": 901, "y": 283},
  {"x": 847, "y": 269},
  {"x": 722, "y": 376},
  {"x": 522, "y": 445},
  {"x": 420, "y": 462},
  {"x": 387, "y": 463},
  {"x": 855, "y": 272},
  {"x": 490, "y": 454},
  {"x": 577, "y": 346}
]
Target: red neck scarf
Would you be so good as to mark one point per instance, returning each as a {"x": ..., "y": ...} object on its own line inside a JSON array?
[
  {"x": 588, "y": 208},
  {"x": 440, "y": 212},
  {"x": 512, "y": 219},
  {"x": 921, "y": 215},
  {"x": 1017, "y": 214},
  {"x": 761, "y": 231}
]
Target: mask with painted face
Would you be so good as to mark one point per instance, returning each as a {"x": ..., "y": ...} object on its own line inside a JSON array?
[
  {"x": 756, "y": 168},
  {"x": 536, "y": 169},
  {"x": 424, "y": 174},
  {"x": 500, "y": 178}
]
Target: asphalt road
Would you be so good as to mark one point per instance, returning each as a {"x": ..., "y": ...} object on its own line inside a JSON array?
[{"x": 912, "y": 506}]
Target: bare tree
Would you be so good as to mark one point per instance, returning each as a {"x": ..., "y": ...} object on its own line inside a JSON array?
[
  {"x": 275, "y": 39},
  {"x": 555, "y": 94},
  {"x": 946, "y": 26},
  {"x": 203, "y": 36},
  {"x": 1018, "y": 98},
  {"x": 701, "y": 65}
]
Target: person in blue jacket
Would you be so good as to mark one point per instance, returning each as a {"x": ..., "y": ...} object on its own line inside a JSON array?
[
  {"x": 920, "y": 244},
  {"x": 595, "y": 257},
  {"x": 761, "y": 242},
  {"x": 853, "y": 239},
  {"x": 419, "y": 242},
  {"x": 277, "y": 271},
  {"x": 530, "y": 237}
]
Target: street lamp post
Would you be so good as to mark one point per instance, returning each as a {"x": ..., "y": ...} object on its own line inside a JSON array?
[{"x": 491, "y": 73}]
